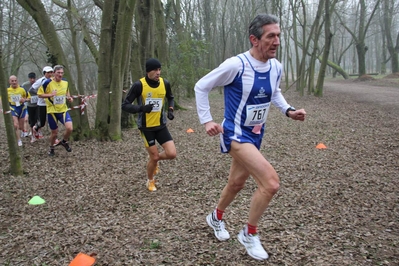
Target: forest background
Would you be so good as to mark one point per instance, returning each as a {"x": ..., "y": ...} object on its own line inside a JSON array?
[
  {"x": 335, "y": 206},
  {"x": 104, "y": 44}
]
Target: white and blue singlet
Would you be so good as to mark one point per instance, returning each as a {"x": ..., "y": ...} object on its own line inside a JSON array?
[{"x": 250, "y": 86}]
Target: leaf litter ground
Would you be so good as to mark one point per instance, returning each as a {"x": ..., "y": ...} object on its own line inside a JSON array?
[{"x": 336, "y": 206}]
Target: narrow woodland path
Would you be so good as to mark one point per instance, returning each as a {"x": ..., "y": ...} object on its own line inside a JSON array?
[{"x": 376, "y": 92}]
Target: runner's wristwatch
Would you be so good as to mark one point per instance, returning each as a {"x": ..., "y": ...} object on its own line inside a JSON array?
[{"x": 289, "y": 109}]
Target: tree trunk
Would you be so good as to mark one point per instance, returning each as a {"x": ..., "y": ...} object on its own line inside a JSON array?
[
  {"x": 328, "y": 37},
  {"x": 145, "y": 22},
  {"x": 84, "y": 121},
  {"x": 119, "y": 64},
  {"x": 13, "y": 149},
  {"x": 105, "y": 70},
  {"x": 336, "y": 68},
  {"x": 161, "y": 48},
  {"x": 388, "y": 7},
  {"x": 295, "y": 36},
  {"x": 361, "y": 57},
  {"x": 315, "y": 31}
]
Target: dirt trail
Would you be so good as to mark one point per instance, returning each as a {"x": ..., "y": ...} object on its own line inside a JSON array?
[{"x": 379, "y": 92}]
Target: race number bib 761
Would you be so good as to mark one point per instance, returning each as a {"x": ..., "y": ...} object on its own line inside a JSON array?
[
  {"x": 157, "y": 104},
  {"x": 257, "y": 114}
]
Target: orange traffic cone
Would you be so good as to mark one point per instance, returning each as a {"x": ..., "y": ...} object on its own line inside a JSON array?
[
  {"x": 83, "y": 260},
  {"x": 321, "y": 146}
]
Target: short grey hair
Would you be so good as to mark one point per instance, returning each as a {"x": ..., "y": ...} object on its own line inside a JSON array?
[
  {"x": 58, "y": 67},
  {"x": 256, "y": 26}
]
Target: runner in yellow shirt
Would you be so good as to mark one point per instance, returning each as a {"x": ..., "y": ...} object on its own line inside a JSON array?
[
  {"x": 56, "y": 93},
  {"x": 16, "y": 98},
  {"x": 152, "y": 93}
]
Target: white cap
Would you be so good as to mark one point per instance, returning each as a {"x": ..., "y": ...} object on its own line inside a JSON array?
[{"x": 48, "y": 69}]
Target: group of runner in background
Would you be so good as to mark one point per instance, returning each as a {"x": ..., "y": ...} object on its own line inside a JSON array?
[{"x": 39, "y": 101}]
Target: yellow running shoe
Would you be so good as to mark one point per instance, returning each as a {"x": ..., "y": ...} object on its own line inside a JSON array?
[{"x": 151, "y": 185}]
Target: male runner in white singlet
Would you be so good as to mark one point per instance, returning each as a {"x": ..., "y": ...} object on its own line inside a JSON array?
[{"x": 251, "y": 83}]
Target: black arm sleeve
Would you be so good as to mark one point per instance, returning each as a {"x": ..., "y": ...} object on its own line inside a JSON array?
[
  {"x": 133, "y": 94},
  {"x": 169, "y": 94}
]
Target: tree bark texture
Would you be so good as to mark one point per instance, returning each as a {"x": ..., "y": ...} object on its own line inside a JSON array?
[{"x": 13, "y": 149}]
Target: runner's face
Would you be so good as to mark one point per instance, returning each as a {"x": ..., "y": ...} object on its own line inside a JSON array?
[
  {"x": 58, "y": 74},
  {"x": 154, "y": 74},
  {"x": 13, "y": 82},
  {"x": 266, "y": 46},
  {"x": 48, "y": 74}
]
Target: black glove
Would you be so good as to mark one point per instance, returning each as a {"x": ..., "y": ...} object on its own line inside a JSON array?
[
  {"x": 146, "y": 108},
  {"x": 170, "y": 114}
]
